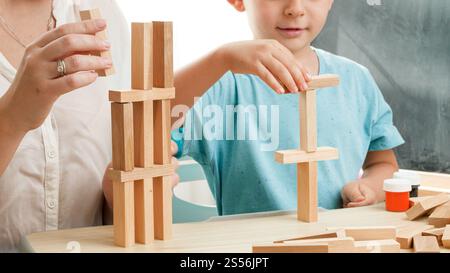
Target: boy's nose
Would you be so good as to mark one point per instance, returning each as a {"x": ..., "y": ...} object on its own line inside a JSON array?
[{"x": 294, "y": 8}]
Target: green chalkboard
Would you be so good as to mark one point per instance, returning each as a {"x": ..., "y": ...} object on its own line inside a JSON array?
[{"x": 406, "y": 46}]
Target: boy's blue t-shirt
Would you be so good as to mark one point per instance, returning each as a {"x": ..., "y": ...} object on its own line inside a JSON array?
[{"x": 241, "y": 170}]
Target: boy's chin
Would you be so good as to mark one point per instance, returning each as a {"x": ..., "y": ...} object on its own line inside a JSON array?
[{"x": 295, "y": 46}]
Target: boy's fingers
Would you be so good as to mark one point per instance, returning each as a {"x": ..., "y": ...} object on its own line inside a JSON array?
[
  {"x": 355, "y": 195},
  {"x": 269, "y": 79},
  {"x": 279, "y": 71},
  {"x": 293, "y": 68},
  {"x": 85, "y": 27}
]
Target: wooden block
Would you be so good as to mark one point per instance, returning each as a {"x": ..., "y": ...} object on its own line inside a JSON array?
[
  {"x": 431, "y": 191},
  {"x": 415, "y": 200},
  {"x": 335, "y": 245},
  {"x": 436, "y": 232},
  {"x": 141, "y": 56},
  {"x": 142, "y": 79},
  {"x": 298, "y": 156},
  {"x": 123, "y": 210},
  {"x": 440, "y": 216},
  {"x": 122, "y": 136},
  {"x": 323, "y": 81},
  {"x": 424, "y": 206},
  {"x": 163, "y": 54},
  {"x": 282, "y": 248},
  {"x": 95, "y": 14},
  {"x": 406, "y": 234},
  {"x": 369, "y": 233},
  {"x": 123, "y": 96},
  {"x": 162, "y": 78},
  {"x": 446, "y": 237},
  {"x": 307, "y": 202},
  {"x": 141, "y": 173},
  {"x": 377, "y": 246},
  {"x": 426, "y": 244},
  {"x": 308, "y": 121},
  {"x": 320, "y": 235}
]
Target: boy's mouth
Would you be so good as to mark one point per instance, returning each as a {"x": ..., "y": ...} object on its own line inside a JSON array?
[{"x": 290, "y": 32}]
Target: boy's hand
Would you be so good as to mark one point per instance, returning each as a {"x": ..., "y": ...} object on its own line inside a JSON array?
[
  {"x": 107, "y": 183},
  {"x": 269, "y": 60},
  {"x": 358, "y": 194}
]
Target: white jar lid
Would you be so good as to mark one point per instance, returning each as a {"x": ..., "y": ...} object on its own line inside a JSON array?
[
  {"x": 397, "y": 185},
  {"x": 413, "y": 178}
]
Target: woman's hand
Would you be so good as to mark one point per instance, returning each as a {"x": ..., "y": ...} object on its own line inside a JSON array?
[
  {"x": 38, "y": 85},
  {"x": 107, "y": 183},
  {"x": 269, "y": 60}
]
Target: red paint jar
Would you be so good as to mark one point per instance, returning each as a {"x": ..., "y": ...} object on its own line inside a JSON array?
[{"x": 397, "y": 194}]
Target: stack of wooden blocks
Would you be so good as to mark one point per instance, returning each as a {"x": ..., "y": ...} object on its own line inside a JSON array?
[
  {"x": 306, "y": 158},
  {"x": 141, "y": 123}
]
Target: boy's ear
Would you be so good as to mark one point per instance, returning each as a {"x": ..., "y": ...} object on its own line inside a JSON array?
[{"x": 237, "y": 4}]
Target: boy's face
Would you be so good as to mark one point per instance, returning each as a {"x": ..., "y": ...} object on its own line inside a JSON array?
[{"x": 294, "y": 23}]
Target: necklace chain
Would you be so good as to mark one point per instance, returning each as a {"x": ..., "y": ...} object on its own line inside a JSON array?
[{"x": 50, "y": 25}]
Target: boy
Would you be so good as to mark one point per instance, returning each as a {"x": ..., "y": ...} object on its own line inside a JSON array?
[{"x": 242, "y": 77}]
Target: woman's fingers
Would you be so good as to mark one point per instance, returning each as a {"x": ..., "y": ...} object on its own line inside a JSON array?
[
  {"x": 85, "y": 27},
  {"x": 73, "y": 43},
  {"x": 79, "y": 63},
  {"x": 71, "y": 82}
]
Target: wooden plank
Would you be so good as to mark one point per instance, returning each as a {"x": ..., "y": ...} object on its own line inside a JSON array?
[
  {"x": 308, "y": 121},
  {"x": 323, "y": 81},
  {"x": 163, "y": 54},
  {"x": 298, "y": 156},
  {"x": 446, "y": 237},
  {"x": 426, "y": 205},
  {"x": 123, "y": 210},
  {"x": 162, "y": 78},
  {"x": 368, "y": 233},
  {"x": 406, "y": 234},
  {"x": 317, "y": 235},
  {"x": 335, "y": 245},
  {"x": 377, "y": 246},
  {"x": 141, "y": 56},
  {"x": 123, "y": 159},
  {"x": 282, "y": 248},
  {"x": 141, "y": 95},
  {"x": 307, "y": 192},
  {"x": 122, "y": 136},
  {"x": 425, "y": 244},
  {"x": 436, "y": 232},
  {"x": 440, "y": 216},
  {"x": 95, "y": 14},
  {"x": 142, "y": 79},
  {"x": 141, "y": 173}
]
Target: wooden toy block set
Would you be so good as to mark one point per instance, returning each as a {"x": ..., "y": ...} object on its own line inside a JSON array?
[
  {"x": 420, "y": 237},
  {"x": 142, "y": 169}
]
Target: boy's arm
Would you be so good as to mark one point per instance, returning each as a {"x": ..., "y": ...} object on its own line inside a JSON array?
[
  {"x": 268, "y": 59},
  {"x": 368, "y": 190}
]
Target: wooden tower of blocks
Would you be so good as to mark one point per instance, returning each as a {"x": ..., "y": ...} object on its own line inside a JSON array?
[
  {"x": 307, "y": 156},
  {"x": 141, "y": 125}
]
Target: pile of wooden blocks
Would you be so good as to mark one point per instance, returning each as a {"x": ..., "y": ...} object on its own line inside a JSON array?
[
  {"x": 421, "y": 238},
  {"x": 337, "y": 240},
  {"x": 307, "y": 156},
  {"x": 429, "y": 238},
  {"x": 141, "y": 123}
]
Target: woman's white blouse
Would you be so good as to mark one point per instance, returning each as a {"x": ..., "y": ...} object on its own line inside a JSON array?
[{"x": 54, "y": 179}]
